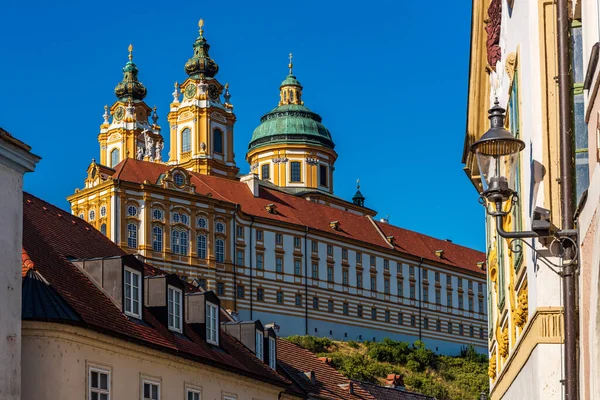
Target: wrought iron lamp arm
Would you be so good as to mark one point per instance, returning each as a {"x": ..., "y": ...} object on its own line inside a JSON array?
[{"x": 513, "y": 235}]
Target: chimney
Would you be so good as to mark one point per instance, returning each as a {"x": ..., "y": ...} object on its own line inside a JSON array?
[
  {"x": 395, "y": 381},
  {"x": 252, "y": 181},
  {"x": 351, "y": 387},
  {"x": 15, "y": 160}
]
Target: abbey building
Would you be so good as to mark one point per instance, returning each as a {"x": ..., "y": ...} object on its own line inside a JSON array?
[{"x": 275, "y": 244}]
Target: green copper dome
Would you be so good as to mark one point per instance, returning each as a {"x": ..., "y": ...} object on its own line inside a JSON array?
[
  {"x": 290, "y": 80},
  {"x": 130, "y": 87},
  {"x": 201, "y": 64},
  {"x": 291, "y": 123}
]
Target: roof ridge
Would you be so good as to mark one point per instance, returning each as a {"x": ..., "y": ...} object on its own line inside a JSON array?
[{"x": 378, "y": 229}]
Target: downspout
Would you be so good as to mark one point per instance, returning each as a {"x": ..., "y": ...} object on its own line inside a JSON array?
[
  {"x": 306, "y": 279},
  {"x": 237, "y": 207},
  {"x": 251, "y": 272},
  {"x": 420, "y": 300},
  {"x": 567, "y": 196}
]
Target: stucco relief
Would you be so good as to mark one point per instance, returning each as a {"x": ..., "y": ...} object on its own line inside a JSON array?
[
  {"x": 492, "y": 366},
  {"x": 521, "y": 312},
  {"x": 492, "y": 29}
]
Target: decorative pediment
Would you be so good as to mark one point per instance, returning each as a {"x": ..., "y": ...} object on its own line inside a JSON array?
[{"x": 178, "y": 179}]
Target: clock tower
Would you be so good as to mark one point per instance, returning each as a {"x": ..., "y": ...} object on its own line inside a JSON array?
[
  {"x": 129, "y": 134},
  {"x": 201, "y": 123}
]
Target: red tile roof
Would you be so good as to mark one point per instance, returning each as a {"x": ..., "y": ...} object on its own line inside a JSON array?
[
  {"x": 299, "y": 211},
  {"x": 328, "y": 383},
  {"x": 52, "y": 236}
]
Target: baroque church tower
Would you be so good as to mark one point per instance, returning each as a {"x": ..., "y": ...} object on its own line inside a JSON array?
[
  {"x": 201, "y": 124},
  {"x": 130, "y": 134},
  {"x": 291, "y": 148}
]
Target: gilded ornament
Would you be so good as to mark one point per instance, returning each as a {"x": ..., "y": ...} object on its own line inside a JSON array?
[
  {"x": 492, "y": 366},
  {"x": 521, "y": 313},
  {"x": 502, "y": 335}
]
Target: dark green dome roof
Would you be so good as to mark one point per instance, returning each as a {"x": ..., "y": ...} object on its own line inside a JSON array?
[
  {"x": 201, "y": 64},
  {"x": 290, "y": 80},
  {"x": 130, "y": 87},
  {"x": 291, "y": 123}
]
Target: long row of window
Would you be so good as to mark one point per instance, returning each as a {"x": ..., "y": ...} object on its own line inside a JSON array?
[
  {"x": 296, "y": 173},
  {"x": 100, "y": 386}
]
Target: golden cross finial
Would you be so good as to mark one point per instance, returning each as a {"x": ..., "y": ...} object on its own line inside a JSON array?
[
  {"x": 130, "y": 48},
  {"x": 201, "y": 25},
  {"x": 290, "y": 65}
]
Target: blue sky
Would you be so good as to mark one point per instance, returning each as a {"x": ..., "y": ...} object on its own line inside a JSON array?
[{"x": 388, "y": 78}]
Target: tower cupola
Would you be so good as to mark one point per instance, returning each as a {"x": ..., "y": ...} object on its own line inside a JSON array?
[
  {"x": 358, "y": 198},
  {"x": 291, "y": 147},
  {"x": 201, "y": 64},
  {"x": 130, "y": 87}
]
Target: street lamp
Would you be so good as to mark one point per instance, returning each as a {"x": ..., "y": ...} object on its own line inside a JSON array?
[{"x": 496, "y": 154}]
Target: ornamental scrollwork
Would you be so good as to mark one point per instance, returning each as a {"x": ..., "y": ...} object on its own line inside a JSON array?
[
  {"x": 280, "y": 160},
  {"x": 492, "y": 366},
  {"x": 520, "y": 315}
]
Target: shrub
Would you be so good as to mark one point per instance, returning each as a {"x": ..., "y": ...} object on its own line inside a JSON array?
[{"x": 313, "y": 344}]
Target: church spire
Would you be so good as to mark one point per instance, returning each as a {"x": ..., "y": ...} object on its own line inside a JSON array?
[
  {"x": 358, "y": 198},
  {"x": 201, "y": 64},
  {"x": 130, "y": 87}
]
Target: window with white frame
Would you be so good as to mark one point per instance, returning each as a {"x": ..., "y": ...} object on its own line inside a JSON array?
[
  {"x": 133, "y": 292},
  {"x": 99, "y": 384},
  {"x": 92, "y": 215},
  {"x": 157, "y": 238},
  {"x": 132, "y": 236},
  {"x": 151, "y": 390},
  {"x": 272, "y": 353},
  {"x": 103, "y": 211},
  {"x": 186, "y": 141},
  {"x": 220, "y": 250},
  {"x": 131, "y": 211},
  {"x": 212, "y": 322},
  {"x": 201, "y": 222},
  {"x": 201, "y": 246},
  {"x": 179, "y": 242},
  {"x": 114, "y": 157},
  {"x": 103, "y": 229},
  {"x": 192, "y": 394},
  {"x": 220, "y": 227},
  {"x": 157, "y": 214},
  {"x": 174, "y": 308},
  {"x": 175, "y": 217},
  {"x": 259, "y": 345}
]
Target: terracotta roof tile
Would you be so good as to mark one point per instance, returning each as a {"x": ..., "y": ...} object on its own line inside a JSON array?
[
  {"x": 328, "y": 382},
  {"x": 299, "y": 211},
  {"x": 51, "y": 237}
]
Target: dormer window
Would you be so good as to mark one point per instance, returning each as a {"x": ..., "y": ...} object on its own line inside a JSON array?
[
  {"x": 132, "y": 293},
  {"x": 272, "y": 353},
  {"x": 179, "y": 179},
  {"x": 259, "y": 345},
  {"x": 175, "y": 309},
  {"x": 212, "y": 324}
]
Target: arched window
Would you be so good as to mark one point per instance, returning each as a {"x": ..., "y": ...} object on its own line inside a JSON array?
[
  {"x": 103, "y": 229},
  {"x": 157, "y": 214},
  {"x": 185, "y": 219},
  {"x": 132, "y": 236},
  {"x": 114, "y": 157},
  {"x": 291, "y": 95},
  {"x": 220, "y": 227},
  {"x": 131, "y": 211},
  {"x": 157, "y": 238},
  {"x": 179, "y": 242},
  {"x": 217, "y": 141},
  {"x": 220, "y": 250},
  {"x": 201, "y": 246},
  {"x": 175, "y": 217},
  {"x": 186, "y": 141}
]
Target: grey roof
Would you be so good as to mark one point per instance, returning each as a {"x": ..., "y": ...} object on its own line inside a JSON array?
[
  {"x": 41, "y": 302},
  {"x": 389, "y": 393}
]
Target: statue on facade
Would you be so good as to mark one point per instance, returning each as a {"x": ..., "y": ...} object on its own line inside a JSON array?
[
  {"x": 149, "y": 144},
  {"x": 158, "y": 151},
  {"x": 140, "y": 153}
]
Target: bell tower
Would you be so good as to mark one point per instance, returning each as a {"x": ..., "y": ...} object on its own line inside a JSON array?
[
  {"x": 201, "y": 123},
  {"x": 128, "y": 134}
]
